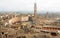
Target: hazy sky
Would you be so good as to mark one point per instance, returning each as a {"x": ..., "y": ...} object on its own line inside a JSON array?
[{"x": 24, "y": 5}]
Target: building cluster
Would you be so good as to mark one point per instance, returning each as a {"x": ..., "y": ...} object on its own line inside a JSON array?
[{"x": 19, "y": 26}]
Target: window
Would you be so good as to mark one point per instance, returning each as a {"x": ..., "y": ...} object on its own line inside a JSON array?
[{"x": 2, "y": 32}]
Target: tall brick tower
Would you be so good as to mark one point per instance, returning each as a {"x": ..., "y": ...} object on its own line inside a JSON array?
[
  {"x": 35, "y": 9},
  {"x": 46, "y": 15}
]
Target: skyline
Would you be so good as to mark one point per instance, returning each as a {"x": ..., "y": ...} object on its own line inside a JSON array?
[{"x": 28, "y": 5}]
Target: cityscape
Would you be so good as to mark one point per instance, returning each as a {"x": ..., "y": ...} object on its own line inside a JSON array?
[{"x": 29, "y": 25}]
